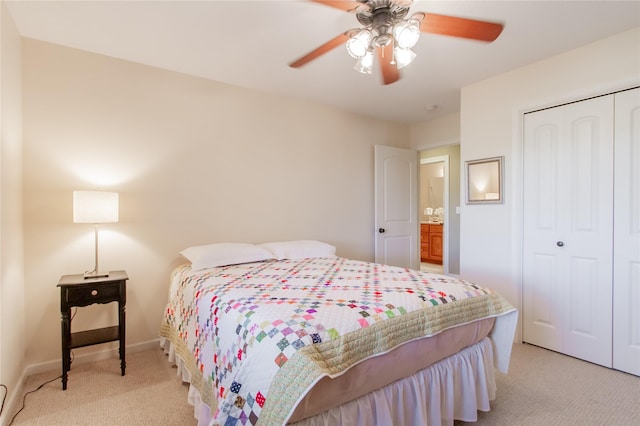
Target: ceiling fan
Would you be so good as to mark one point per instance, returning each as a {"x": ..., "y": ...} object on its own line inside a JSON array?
[{"x": 388, "y": 32}]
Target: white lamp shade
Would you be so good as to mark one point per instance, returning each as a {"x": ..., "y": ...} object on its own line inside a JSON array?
[{"x": 95, "y": 207}]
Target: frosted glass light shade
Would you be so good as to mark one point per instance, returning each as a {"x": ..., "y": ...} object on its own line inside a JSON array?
[
  {"x": 95, "y": 207},
  {"x": 403, "y": 57},
  {"x": 406, "y": 34},
  {"x": 364, "y": 64},
  {"x": 358, "y": 45}
]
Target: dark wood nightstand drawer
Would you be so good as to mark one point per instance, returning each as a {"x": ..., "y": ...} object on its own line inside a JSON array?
[{"x": 98, "y": 293}]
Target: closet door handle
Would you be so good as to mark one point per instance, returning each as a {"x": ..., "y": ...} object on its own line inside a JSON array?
[
  {"x": 382, "y": 230},
  {"x": 560, "y": 244}
]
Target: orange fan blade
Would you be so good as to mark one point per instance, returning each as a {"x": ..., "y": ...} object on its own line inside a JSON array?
[
  {"x": 349, "y": 6},
  {"x": 390, "y": 72},
  {"x": 460, "y": 27},
  {"x": 330, "y": 45}
]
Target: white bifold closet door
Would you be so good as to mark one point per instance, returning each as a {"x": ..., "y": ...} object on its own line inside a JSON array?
[
  {"x": 626, "y": 234},
  {"x": 568, "y": 229},
  {"x": 581, "y": 251}
]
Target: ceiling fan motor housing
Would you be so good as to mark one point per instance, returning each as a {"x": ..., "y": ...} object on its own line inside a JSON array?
[
  {"x": 380, "y": 18},
  {"x": 381, "y": 10}
]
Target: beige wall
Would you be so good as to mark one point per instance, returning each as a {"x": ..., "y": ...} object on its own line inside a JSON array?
[
  {"x": 12, "y": 313},
  {"x": 436, "y": 133},
  {"x": 194, "y": 161},
  {"x": 491, "y": 118}
]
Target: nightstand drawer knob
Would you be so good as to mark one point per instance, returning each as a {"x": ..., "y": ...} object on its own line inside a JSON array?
[{"x": 94, "y": 292}]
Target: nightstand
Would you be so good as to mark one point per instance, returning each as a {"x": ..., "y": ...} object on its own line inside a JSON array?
[{"x": 78, "y": 291}]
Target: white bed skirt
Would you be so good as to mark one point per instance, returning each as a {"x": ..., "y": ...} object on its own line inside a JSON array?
[{"x": 454, "y": 388}]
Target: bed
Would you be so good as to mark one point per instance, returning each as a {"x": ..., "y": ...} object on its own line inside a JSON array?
[{"x": 289, "y": 333}]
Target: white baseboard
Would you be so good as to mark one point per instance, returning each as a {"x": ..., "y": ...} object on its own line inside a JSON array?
[
  {"x": 96, "y": 355},
  {"x": 12, "y": 401},
  {"x": 15, "y": 397}
]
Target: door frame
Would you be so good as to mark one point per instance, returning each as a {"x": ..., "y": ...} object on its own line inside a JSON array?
[
  {"x": 445, "y": 227},
  {"x": 516, "y": 174}
]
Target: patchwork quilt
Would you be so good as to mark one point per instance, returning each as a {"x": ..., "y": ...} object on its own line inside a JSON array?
[{"x": 258, "y": 336}]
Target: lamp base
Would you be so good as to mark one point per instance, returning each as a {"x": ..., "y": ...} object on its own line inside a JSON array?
[{"x": 95, "y": 274}]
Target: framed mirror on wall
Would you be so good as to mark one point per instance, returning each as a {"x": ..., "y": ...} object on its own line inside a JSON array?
[{"x": 485, "y": 181}]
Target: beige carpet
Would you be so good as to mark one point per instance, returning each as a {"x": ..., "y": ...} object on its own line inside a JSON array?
[
  {"x": 150, "y": 393},
  {"x": 542, "y": 388},
  {"x": 545, "y": 388}
]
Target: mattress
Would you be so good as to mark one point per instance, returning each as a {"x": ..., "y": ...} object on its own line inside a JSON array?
[{"x": 280, "y": 341}]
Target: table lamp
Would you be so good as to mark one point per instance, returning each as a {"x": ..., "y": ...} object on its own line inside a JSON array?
[{"x": 95, "y": 207}]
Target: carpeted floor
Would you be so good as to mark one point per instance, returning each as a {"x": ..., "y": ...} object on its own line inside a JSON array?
[
  {"x": 150, "y": 393},
  {"x": 543, "y": 388}
]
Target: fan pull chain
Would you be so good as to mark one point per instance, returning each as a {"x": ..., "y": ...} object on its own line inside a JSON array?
[{"x": 393, "y": 59}]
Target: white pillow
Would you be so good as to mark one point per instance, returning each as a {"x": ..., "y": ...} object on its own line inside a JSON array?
[
  {"x": 221, "y": 254},
  {"x": 300, "y": 249}
]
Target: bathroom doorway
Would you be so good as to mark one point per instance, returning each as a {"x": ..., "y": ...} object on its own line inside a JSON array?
[
  {"x": 438, "y": 210},
  {"x": 432, "y": 212}
]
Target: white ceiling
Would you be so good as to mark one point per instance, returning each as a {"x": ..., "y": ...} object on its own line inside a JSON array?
[{"x": 250, "y": 43}]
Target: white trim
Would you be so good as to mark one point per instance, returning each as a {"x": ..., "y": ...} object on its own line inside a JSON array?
[
  {"x": 14, "y": 396},
  {"x": 579, "y": 95},
  {"x": 93, "y": 356},
  {"x": 445, "y": 226}
]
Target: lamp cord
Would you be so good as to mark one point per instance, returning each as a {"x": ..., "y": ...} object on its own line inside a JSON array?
[
  {"x": 6, "y": 392},
  {"x": 24, "y": 398},
  {"x": 6, "y": 389}
]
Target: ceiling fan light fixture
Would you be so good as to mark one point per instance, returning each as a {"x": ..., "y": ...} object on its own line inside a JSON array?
[
  {"x": 359, "y": 43},
  {"x": 382, "y": 40},
  {"x": 406, "y": 33},
  {"x": 403, "y": 57},
  {"x": 364, "y": 64},
  {"x": 387, "y": 32}
]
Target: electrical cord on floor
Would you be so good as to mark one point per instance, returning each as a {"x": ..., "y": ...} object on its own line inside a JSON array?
[
  {"x": 6, "y": 392},
  {"x": 24, "y": 398}
]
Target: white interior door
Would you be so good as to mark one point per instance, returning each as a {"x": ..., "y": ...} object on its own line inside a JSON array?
[
  {"x": 396, "y": 207},
  {"x": 568, "y": 229},
  {"x": 626, "y": 254}
]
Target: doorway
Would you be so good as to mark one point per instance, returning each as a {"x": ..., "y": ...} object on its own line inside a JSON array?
[
  {"x": 438, "y": 211},
  {"x": 434, "y": 182}
]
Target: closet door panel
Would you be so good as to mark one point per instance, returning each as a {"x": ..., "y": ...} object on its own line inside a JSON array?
[
  {"x": 584, "y": 337},
  {"x": 545, "y": 326},
  {"x": 587, "y": 228},
  {"x": 568, "y": 221},
  {"x": 626, "y": 303},
  {"x": 542, "y": 292}
]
